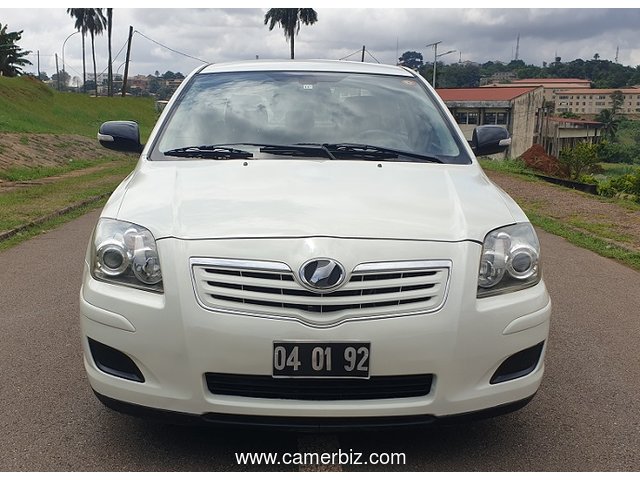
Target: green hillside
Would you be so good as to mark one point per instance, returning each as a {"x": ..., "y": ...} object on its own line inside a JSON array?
[{"x": 29, "y": 106}]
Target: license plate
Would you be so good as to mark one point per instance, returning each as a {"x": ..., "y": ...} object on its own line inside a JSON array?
[{"x": 315, "y": 359}]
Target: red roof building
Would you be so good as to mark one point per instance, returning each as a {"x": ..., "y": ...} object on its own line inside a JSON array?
[
  {"x": 515, "y": 107},
  {"x": 495, "y": 94}
]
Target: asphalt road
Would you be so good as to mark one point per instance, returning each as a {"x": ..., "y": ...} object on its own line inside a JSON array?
[{"x": 586, "y": 415}]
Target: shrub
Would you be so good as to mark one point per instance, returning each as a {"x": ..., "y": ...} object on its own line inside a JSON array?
[
  {"x": 581, "y": 159},
  {"x": 615, "y": 152},
  {"x": 623, "y": 185}
]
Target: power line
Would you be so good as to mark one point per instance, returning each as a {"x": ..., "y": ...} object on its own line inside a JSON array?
[
  {"x": 350, "y": 55},
  {"x": 169, "y": 48},
  {"x": 113, "y": 60},
  {"x": 360, "y": 51},
  {"x": 371, "y": 55}
]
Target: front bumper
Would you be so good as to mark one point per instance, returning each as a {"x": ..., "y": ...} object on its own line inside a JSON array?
[
  {"x": 174, "y": 341},
  {"x": 305, "y": 424}
]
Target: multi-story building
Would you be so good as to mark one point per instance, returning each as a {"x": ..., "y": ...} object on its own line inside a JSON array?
[
  {"x": 551, "y": 86},
  {"x": 140, "y": 81},
  {"x": 593, "y": 101}
]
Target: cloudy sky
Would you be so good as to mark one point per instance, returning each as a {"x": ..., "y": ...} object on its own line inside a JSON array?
[{"x": 226, "y": 34}]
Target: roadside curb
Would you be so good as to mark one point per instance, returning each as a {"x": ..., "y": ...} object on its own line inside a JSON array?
[{"x": 39, "y": 221}]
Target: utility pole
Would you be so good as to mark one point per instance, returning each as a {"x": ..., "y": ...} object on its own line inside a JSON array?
[
  {"x": 362, "y": 53},
  {"x": 57, "y": 72},
  {"x": 435, "y": 60},
  {"x": 38, "y": 64},
  {"x": 126, "y": 64},
  {"x": 397, "y": 42}
]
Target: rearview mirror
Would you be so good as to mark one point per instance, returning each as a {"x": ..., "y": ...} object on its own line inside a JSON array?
[
  {"x": 490, "y": 139},
  {"x": 123, "y": 136}
]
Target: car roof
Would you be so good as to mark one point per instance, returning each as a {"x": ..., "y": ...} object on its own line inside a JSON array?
[{"x": 307, "y": 66}]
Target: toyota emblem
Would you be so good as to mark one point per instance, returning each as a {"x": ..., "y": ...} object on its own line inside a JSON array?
[{"x": 322, "y": 274}]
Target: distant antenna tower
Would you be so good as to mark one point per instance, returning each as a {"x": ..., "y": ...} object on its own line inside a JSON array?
[
  {"x": 617, "y": 51},
  {"x": 460, "y": 59},
  {"x": 517, "y": 47}
]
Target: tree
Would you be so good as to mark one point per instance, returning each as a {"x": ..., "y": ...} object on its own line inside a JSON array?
[
  {"x": 89, "y": 20},
  {"x": 79, "y": 15},
  {"x": 110, "y": 66},
  {"x": 581, "y": 159},
  {"x": 411, "y": 59},
  {"x": 617, "y": 99},
  {"x": 458, "y": 75},
  {"x": 95, "y": 24},
  {"x": 11, "y": 55},
  {"x": 609, "y": 123},
  {"x": 154, "y": 85},
  {"x": 64, "y": 78},
  {"x": 290, "y": 19}
]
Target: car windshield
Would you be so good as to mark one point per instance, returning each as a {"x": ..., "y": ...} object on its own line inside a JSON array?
[{"x": 321, "y": 108}]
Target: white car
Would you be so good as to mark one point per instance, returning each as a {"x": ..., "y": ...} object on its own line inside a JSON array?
[{"x": 311, "y": 244}]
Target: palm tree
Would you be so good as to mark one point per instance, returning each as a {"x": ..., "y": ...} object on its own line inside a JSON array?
[
  {"x": 95, "y": 24},
  {"x": 290, "y": 20},
  {"x": 110, "y": 70},
  {"x": 79, "y": 14},
  {"x": 89, "y": 20},
  {"x": 11, "y": 55},
  {"x": 609, "y": 123}
]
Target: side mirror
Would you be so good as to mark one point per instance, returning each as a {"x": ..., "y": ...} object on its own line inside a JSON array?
[
  {"x": 490, "y": 139},
  {"x": 123, "y": 136}
]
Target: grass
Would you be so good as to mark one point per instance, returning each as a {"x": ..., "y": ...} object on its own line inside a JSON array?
[
  {"x": 29, "y": 106},
  {"x": 24, "y": 205},
  {"x": 22, "y": 174},
  {"x": 599, "y": 229},
  {"x": 50, "y": 224},
  {"x": 586, "y": 240},
  {"x": 618, "y": 169},
  {"x": 508, "y": 165}
]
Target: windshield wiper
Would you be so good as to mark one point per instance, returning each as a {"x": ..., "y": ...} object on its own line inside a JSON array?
[
  {"x": 217, "y": 152},
  {"x": 373, "y": 152},
  {"x": 305, "y": 149}
]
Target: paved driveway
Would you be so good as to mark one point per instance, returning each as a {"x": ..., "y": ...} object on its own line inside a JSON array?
[{"x": 585, "y": 417}]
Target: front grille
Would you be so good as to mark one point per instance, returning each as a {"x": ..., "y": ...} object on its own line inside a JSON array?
[
  {"x": 264, "y": 386},
  {"x": 270, "y": 288}
]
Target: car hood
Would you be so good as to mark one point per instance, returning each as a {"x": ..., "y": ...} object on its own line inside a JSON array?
[{"x": 304, "y": 198}]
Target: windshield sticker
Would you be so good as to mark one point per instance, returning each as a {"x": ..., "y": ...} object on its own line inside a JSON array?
[
  {"x": 411, "y": 83},
  {"x": 307, "y": 87}
]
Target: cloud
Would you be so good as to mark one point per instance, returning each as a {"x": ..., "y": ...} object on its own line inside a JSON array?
[{"x": 229, "y": 34}]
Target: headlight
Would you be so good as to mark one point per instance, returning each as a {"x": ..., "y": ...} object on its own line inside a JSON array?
[
  {"x": 510, "y": 260},
  {"x": 125, "y": 253}
]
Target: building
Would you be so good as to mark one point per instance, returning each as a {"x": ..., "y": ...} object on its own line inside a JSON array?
[
  {"x": 516, "y": 108},
  {"x": 593, "y": 101},
  {"x": 557, "y": 133},
  {"x": 551, "y": 86},
  {"x": 498, "y": 78},
  {"x": 140, "y": 81}
]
